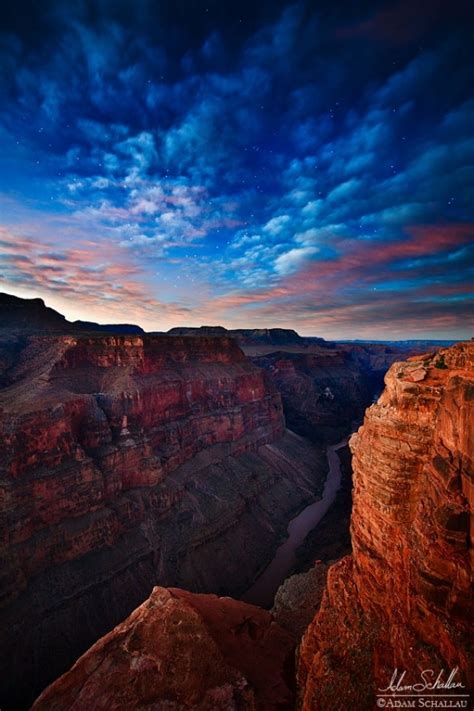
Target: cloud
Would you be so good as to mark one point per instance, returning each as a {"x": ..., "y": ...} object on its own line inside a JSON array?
[
  {"x": 249, "y": 163},
  {"x": 344, "y": 190},
  {"x": 276, "y": 224},
  {"x": 291, "y": 261},
  {"x": 403, "y": 85},
  {"x": 245, "y": 240}
]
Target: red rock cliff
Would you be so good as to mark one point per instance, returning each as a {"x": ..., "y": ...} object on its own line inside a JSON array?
[
  {"x": 403, "y": 600},
  {"x": 127, "y": 461}
]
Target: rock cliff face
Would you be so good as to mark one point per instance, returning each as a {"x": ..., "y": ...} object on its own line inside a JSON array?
[
  {"x": 403, "y": 600},
  {"x": 128, "y": 461},
  {"x": 325, "y": 386},
  {"x": 323, "y": 390},
  {"x": 181, "y": 650}
]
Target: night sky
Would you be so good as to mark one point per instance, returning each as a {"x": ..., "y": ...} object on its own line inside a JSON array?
[{"x": 306, "y": 165}]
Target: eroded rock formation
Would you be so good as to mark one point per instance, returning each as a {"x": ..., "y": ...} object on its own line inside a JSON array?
[
  {"x": 181, "y": 650},
  {"x": 323, "y": 390},
  {"x": 128, "y": 461},
  {"x": 403, "y": 600},
  {"x": 324, "y": 386}
]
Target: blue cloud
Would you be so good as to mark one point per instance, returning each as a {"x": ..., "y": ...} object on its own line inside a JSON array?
[{"x": 246, "y": 144}]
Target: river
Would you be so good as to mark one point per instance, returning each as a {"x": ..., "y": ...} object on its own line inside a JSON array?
[{"x": 264, "y": 588}]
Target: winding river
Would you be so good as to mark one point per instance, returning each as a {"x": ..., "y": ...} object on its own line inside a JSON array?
[{"x": 263, "y": 590}]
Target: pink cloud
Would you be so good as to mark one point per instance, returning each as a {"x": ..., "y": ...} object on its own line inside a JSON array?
[{"x": 89, "y": 281}]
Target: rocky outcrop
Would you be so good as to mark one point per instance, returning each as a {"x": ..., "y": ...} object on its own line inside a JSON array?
[
  {"x": 130, "y": 461},
  {"x": 181, "y": 650},
  {"x": 403, "y": 600},
  {"x": 298, "y": 599}
]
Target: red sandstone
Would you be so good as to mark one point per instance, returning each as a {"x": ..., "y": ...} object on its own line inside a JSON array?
[{"x": 403, "y": 600}]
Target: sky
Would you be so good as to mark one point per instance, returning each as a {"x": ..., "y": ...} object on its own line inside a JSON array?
[{"x": 307, "y": 165}]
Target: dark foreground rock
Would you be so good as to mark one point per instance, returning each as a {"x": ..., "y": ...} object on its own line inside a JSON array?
[{"x": 181, "y": 650}]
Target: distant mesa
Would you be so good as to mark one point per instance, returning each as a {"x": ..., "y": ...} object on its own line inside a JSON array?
[
  {"x": 29, "y": 313},
  {"x": 247, "y": 336},
  {"x": 108, "y": 327},
  {"x": 34, "y": 315},
  {"x": 271, "y": 336},
  {"x": 198, "y": 331}
]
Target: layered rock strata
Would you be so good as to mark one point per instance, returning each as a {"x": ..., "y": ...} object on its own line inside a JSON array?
[
  {"x": 323, "y": 391},
  {"x": 403, "y": 601},
  {"x": 128, "y": 461},
  {"x": 250, "y": 336}
]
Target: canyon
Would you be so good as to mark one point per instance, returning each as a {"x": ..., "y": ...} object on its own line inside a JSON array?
[
  {"x": 402, "y": 600},
  {"x": 324, "y": 386},
  {"x": 263, "y": 591},
  {"x": 140, "y": 471},
  {"x": 128, "y": 461}
]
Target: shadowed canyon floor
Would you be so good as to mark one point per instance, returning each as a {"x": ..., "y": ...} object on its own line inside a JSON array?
[{"x": 264, "y": 589}]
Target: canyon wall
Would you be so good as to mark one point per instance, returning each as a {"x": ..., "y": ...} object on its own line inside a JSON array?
[
  {"x": 403, "y": 600},
  {"x": 130, "y": 461},
  {"x": 324, "y": 390},
  {"x": 325, "y": 386}
]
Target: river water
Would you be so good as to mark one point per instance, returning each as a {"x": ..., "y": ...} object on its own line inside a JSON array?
[{"x": 264, "y": 589}]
